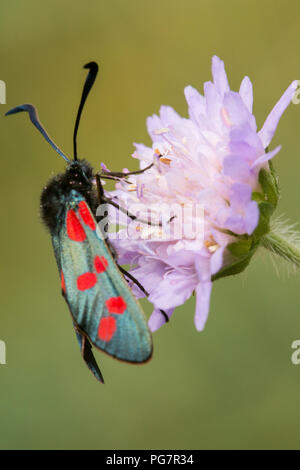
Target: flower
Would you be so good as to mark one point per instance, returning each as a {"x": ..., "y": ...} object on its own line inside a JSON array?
[{"x": 215, "y": 158}]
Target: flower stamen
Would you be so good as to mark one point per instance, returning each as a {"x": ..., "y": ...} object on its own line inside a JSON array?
[
  {"x": 131, "y": 187},
  {"x": 163, "y": 130},
  {"x": 226, "y": 118},
  {"x": 165, "y": 160}
]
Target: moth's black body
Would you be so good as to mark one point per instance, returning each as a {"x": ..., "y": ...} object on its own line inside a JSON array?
[{"x": 78, "y": 176}]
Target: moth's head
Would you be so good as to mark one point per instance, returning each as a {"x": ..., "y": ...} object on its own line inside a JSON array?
[
  {"x": 79, "y": 174},
  {"x": 58, "y": 192}
]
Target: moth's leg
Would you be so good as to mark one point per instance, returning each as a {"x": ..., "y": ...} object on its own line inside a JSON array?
[
  {"x": 121, "y": 174},
  {"x": 114, "y": 178},
  {"x": 133, "y": 279},
  {"x": 131, "y": 216},
  {"x": 102, "y": 199},
  {"x": 87, "y": 355},
  {"x": 134, "y": 217},
  {"x": 100, "y": 190}
]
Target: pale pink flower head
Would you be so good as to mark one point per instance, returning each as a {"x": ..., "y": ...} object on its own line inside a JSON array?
[{"x": 215, "y": 159}]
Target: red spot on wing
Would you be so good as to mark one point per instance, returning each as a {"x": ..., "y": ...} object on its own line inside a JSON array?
[
  {"x": 86, "y": 281},
  {"x": 63, "y": 284},
  {"x": 86, "y": 215},
  {"x": 100, "y": 263},
  {"x": 75, "y": 230},
  {"x": 107, "y": 328},
  {"x": 116, "y": 305}
]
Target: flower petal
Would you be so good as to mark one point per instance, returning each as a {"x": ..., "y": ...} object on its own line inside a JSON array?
[
  {"x": 246, "y": 93},
  {"x": 267, "y": 131},
  {"x": 157, "y": 319},
  {"x": 169, "y": 117},
  {"x": 216, "y": 261},
  {"x": 266, "y": 157},
  {"x": 144, "y": 154},
  {"x": 203, "y": 291},
  {"x": 195, "y": 101},
  {"x": 236, "y": 168},
  {"x": 150, "y": 275},
  {"x": 154, "y": 124},
  {"x": 213, "y": 101},
  {"x": 219, "y": 76},
  {"x": 239, "y": 114},
  {"x": 173, "y": 290}
]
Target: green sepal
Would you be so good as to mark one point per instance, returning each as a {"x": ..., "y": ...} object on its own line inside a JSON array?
[
  {"x": 241, "y": 251},
  {"x": 241, "y": 247},
  {"x": 265, "y": 211},
  {"x": 244, "y": 248},
  {"x": 275, "y": 178},
  {"x": 258, "y": 197},
  {"x": 237, "y": 265},
  {"x": 269, "y": 186}
]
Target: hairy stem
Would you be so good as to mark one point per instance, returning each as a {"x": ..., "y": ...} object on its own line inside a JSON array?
[{"x": 282, "y": 247}]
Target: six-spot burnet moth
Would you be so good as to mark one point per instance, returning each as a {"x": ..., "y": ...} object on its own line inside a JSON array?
[{"x": 103, "y": 308}]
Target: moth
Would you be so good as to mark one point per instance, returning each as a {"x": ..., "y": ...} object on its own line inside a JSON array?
[{"x": 104, "y": 311}]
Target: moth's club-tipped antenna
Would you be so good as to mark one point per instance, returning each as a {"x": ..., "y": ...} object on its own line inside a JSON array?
[
  {"x": 89, "y": 82},
  {"x": 33, "y": 115}
]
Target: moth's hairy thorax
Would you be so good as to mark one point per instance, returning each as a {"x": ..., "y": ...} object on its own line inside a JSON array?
[{"x": 79, "y": 177}]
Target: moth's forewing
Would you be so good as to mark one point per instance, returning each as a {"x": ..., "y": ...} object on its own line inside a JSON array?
[
  {"x": 84, "y": 344},
  {"x": 100, "y": 301}
]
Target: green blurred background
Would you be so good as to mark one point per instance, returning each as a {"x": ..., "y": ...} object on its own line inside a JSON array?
[{"x": 232, "y": 386}]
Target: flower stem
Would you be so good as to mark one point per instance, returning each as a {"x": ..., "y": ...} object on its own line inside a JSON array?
[{"x": 282, "y": 247}]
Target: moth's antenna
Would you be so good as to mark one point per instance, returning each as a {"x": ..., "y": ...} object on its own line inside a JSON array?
[
  {"x": 93, "y": 70},
  {"x": 31, "y": 110}
]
